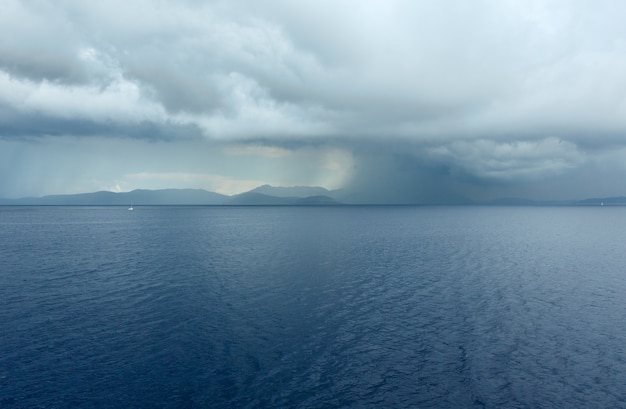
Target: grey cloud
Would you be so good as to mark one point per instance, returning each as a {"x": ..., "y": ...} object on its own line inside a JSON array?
[
  {"x": 444, "y": 98},
  {"x": 42, "y": 65},
  {"x": 511, "y": 160},
  {"x": 17, "y": 125},
  {"x": 40, "y": 41}
]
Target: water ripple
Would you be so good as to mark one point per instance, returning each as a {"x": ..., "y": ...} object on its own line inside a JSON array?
[{"x": 312, "y": 307}]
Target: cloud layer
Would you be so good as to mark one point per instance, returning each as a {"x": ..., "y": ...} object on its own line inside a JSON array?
[{"x": 440, "y": 99}]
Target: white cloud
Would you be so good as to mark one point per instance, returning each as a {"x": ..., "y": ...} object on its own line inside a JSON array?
[
  {"x": 251, "y": 113},
  {"x": 120, "y": 100}
]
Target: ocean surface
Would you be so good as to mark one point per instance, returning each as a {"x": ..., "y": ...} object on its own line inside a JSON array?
[{"x": 313, "y": 307}]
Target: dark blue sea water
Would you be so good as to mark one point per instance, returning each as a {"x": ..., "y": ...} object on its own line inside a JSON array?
[{"x": 312, "y": 307}]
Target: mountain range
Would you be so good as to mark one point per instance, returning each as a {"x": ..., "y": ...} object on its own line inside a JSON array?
[{"x": 265, "y": 195}]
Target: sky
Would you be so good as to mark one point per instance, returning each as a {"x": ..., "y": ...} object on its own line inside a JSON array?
[{"x": 396, "y": 101}]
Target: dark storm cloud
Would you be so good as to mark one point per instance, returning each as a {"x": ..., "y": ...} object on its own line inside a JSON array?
[
  {"x": 29, "y": 127},
  {"x": 435, "y": 99},
  {"x": 41, "y": 65}
]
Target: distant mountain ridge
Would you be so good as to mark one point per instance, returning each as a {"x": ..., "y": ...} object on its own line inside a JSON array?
[
  {"x": 256, "y": 198},
  {"x": 292, "y": 191},
  {"x": 172, "y": 197},
  {"x": 598, "y": 201},
  {"x": 265, "y": 195},
  {"x": 615, "y": 201}
]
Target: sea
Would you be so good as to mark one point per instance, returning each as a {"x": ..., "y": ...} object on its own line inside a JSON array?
[{"x": 313, "y": 307}]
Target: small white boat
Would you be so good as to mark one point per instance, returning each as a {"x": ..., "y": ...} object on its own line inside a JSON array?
[{"x": 131, "y": 207}]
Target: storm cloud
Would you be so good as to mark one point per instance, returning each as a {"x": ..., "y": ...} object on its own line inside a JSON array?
[{"x": 397, "y": 101}]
